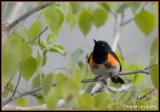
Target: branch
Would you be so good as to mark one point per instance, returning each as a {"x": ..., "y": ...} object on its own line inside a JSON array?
[
  {"x": 20, "y": 74},
  {"x": 117, "y": 33},
  {"x": 144, "y": 71},
  {"x": 108, "y": 9},
  {"x": 14, "y": 91},
  {"x": 39, "y": 35},
  {"x": 131, "y": 19},
  {"x": 23, "y": 94},
  {"x": 24, "y": 16},
  {"x": 146, "y": 96},
  {"x": 6, "y": 87}
]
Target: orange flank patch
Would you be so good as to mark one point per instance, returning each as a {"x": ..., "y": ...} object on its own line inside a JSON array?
[
  {"x": 112, "y": 60},
  {"x": 90, "y": 61}
]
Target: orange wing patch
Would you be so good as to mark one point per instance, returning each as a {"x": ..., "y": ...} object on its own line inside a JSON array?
[{"x": 112, "y": 60}]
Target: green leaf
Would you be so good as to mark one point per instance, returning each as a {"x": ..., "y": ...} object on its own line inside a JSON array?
[
  {"x": 21, "y": 102},
  {"x": 28, "y": 67},
  {"x": 36, "y": 81},
  {"x": 58, "y": 49},
  {"x": 75, "y": 7},
  {"x": 21, "y": 49},
  {"x": 137, "y": 79},
  {"x": 99, "y": 16},
  {"x": 156, "y": 6},
  {"x": 102, "y": 99},
  {"x": 47, "y": 82},
  {"x": 40, "y": 98},
  {"x": 81, "y": 65},
  {"x": 85, "y": 101},
  {"x": 154, "y": 47},
  {"x": 72, "y": 21},
  {"x": 35, "y": 28},
  {"x": 108, "y": 5},
  {"x": 51, "y": 38},
  {"x": 145, "y": 21},
  {"x": 71, "y": 18},
  {"x": 54, "y": 18},
  {"x": 25, "y": 34},
  {"x": 10, "y": 56},
  {"x": 122, "y": 7},
  {"x": 85, "y": 21},
  {"x": 75, "y": 76},
  {"x": 59, "y": 79},
  {"x": 69, "y": 90},
  {"x": 128, "y": 96},
  {"x": 154, "y": 52},
  {"x": 43, "y": 43},
  {"x": 25, "y": 50},
  {"x": 140, "y": 79},
  {"x": 135, "y": 6},
  {"x": 75, "y": 56},
  {"x": 52, "y": 98},
  {"x": 154, "y": 75}
]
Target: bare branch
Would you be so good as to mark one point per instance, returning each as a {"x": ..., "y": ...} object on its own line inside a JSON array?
[
  {"x": 11, "y": 89},
  {"x": 6, "y": 87},
  {"x": 24, "y": 16},
  {"x": 108, "y": 76},
  {"x": 119, "y": 74},
  {"x": 21, "y": 95},
  {"x": 16, "y": 85},
  {"x": 117, "y": 32},
  {"x": 127, "y": 21},
  {"x": 146, "y": 96},
  {"x": 31, "y": 92}
]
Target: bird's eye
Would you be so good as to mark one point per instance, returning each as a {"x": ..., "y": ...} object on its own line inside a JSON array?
[{"x": 103, "y": 45}]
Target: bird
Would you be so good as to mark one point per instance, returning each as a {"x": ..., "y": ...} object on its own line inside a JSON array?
[{"x": 103, "y": 61}]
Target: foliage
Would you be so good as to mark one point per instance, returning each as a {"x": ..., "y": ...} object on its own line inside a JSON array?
[{"x": 25, "y": 51}]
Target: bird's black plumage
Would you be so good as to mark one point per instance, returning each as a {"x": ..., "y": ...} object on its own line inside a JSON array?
[{"x": 101, "y": 52}]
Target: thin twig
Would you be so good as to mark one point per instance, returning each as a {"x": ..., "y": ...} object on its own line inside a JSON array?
[
  {"x": 14, "y": 91},
  {"x": 119, "y": 74},
  {"x": 24, "y": 16},
  {"x": 31, "y": 92},
  {"x": 109, "y": 10},
  {"x": 146, "y": 96},
  {"x": 11, "y": 89},
  {"x": 131, "y": 19},
  {"x": 21, "y": 95},
  {"x": 5, "y": 88},
  {"x": 39, "y": 35},
  {"x": 108, "y": 76},
  {"x": 127, "y": 21}
]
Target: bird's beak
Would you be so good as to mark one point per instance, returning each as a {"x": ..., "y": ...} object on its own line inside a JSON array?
[{"x": 95, "y": 41}]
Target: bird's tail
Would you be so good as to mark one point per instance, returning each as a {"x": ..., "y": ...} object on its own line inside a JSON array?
[{"x": 117, "y": 80}]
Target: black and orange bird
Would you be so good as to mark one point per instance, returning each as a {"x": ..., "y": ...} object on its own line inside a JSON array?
[{"x": 103, "y": 61}]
